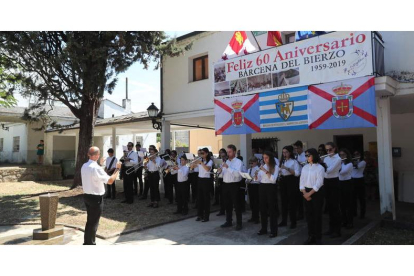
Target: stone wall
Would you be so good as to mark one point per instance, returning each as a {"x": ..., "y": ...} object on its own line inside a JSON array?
[{"x": 30, "y": 173}]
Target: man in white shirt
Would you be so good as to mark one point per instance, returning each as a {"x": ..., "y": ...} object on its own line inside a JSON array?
[
  {"x": 231, "y": 177},
  {"x": 93, "y": 181},
  {"x": 110, "y": 166},
  {"x": 130, "y": 160},
  {"x": 301, "y": 158}
]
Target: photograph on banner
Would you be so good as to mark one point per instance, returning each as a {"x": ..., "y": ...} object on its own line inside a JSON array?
[
  {"x": 329, "y": 57},
  {"x": 237, "y": 115},
  {"x": 284, "y": 110},
  {"x": 343, "y": 104}
]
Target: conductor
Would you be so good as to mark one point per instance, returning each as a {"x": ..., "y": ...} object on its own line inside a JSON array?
[{"x": 93, "y": 183}]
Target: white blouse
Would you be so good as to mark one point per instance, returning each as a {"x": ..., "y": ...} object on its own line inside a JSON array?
[
  {"x": 291, "y": 164},
  {"x": 182, "y": 173},
  {"x": 334, "y": 165},
  {"x": 232, "y": 173},
  {"x": 359, "y": 173},
  {"x": 202, "y": 173},
  {"x": 252, "y": 172},
  {"x": 264, "y": 178},
  {"x": 312, "y": 177},
  {"x": 152, "y": 167},
  {"x": 346, "y": 171}
]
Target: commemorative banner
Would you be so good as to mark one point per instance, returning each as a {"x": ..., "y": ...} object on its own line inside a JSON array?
[{"x": 331, "y": 57}]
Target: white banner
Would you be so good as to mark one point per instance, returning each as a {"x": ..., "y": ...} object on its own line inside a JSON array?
[{"x": 326, "y": 58}]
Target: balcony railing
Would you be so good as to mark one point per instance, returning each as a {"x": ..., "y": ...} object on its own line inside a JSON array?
[{"x": 378, "y": 54}]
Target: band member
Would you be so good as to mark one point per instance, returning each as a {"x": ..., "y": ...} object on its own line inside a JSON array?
[
  {"x": 333, "y": 191},
  {"x": 219, "y": 186},
  {"x": 204, "y": 185},
  {"x": 242, "y": 188},
  {"x": 193, "y": 176},
  {"x": 358, "y": 184},
  {"x": 231, "y": 178},
  {"x": 153, "y": 164},
  {"x": 322, "y": 150},
  {"x": 345, "y": 183},
  {"x": 146, "y": 180},
  {"x": 289, "y": 186},
  {"x": 311, "y": 186},
  {"x": 253, "y": 187},
  {"x": 110, "y": 167},
  {"x": 170, "y": 180},
  {"x": 130, "y": 160},
  {"x": 138, "y": 174},
  {"x": 267, "y": 176},
  {"x": 300, "y": 157},
  {"x": 182, "y": 186},
  {"x": 166, "y": 177}
]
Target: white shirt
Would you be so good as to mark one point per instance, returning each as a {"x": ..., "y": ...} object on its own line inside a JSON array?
[
  {"x": 302, "y": 160},
  {"x": 312, "y": 177},
  {"x": 182, "y": 173},
  {"x": 108, "y": 162},
  {"x": 232, "y": 173},
  {"x": 264, "y": 178},
  {"x": 202, "y": 173},
  {"x": 334, "y": 165},
  {"x": 252, "y": 173},
  {"x": 154, "y": 167},
  {"x": 93, "y": 178},
  {"x": 277, "y": 162},
  {"x": 359, "y": 173},
  {"x": 291, "y": 164},
  {"x": 346, "y": 171},
  {"x": 134, "y": 159}
]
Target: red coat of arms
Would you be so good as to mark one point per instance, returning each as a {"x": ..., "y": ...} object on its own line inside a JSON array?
[
  {"x": 342, "y": 106},
  {"x": 237, "y": 114}
]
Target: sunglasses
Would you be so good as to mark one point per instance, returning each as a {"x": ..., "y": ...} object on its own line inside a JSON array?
[{"x": 307, "y": 155}]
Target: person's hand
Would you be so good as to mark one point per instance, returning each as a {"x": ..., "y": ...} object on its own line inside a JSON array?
[
  {"x": 103, "y": 160},
  {"x": 118, "y": 165},
  {"x": 127, "y": 159},
  {"x": 175, "y": 167},
  {"x": 307, "y": 196},
  {"x": 225, "y": 165}
]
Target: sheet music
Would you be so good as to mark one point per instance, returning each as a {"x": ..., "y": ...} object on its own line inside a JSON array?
[
  {"x": 189, "y": 156},
  {"x": 218, "y": 162},
  {"x": 246, "y": 175}
]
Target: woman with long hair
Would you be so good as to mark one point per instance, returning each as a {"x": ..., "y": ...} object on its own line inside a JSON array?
[
  {"x": 289, "y": 186},
  {"x": 267, "y": 176},
  {"x": 345, "y": 183},
  {"x": 204, "y": 185},
  {"x": 311, "y": 186}
]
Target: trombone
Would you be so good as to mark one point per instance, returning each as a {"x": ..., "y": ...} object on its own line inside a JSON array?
[{"x": 138, "y": 166}]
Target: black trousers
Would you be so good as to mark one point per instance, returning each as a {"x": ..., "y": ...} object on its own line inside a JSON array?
[
  {"x": 181, "y": 191},
  {"x": 146, "y": 186},
  {"x": 94, "y": 208},
  {"x": 128, "y": 187},
  {"x": 300, "y": 201},
  {"x": 346, "y": 201},
  {"x": 313, "y": 211},
  {"x": 242, "y": 195},
  {"x": 203, "y": 198},
  {"x": 268, "y": 206},
  {"x": 154, "y": 185},
  {"x": 333, "y": 196},
  {"x": 289, "y": 187},
  {"x": 138, "y": 175},
  {"x": 169, "y": 186},
  {"x": 135, "y": 183},
  {"x": 231, "y": 197},
  {"x": 110, "y": 190},
  {"x": 358, "y": 195},
  {"x": 167, "y": 182},
  {"x": 193, "y": 177},
  {"x": 219, "y": 195},
  {"x": 254, "y": 200}
]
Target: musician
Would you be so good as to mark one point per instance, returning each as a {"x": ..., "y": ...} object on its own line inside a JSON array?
[
  {"x": 322, "y": 150},
  {"x": 289, "y": 186},
  {"x": 267, "y": 176},
  {"x": 242, "y": 188},
  {"x": 358, "y": 183},
  {"x": 153, "y": 165},
  {"x": 130, "y": 160},
  {"x": 138, "y": 174},
  {"x": 231, "y": 177},
  {"x": 110, "y": 167},
  {"x": 219, "y": 186},
  {"x": 167, "y": 176},
  {"x": 169, "y": 179},
  {"x": 182, "y": 186},
  {"x": 144, "y": 196},
  {"x": 300, "y": 157},
  {"x": 203, "y": 185},
  {"x": 311, "y": 186},
  {"x": 193, "y": 176},
  {"x": 253, "y": 188},
  {"x": 333, "y": 192},
  {"x": 345, "y": 183}
]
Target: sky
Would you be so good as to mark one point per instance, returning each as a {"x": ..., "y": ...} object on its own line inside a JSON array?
[{"x": 143, "y": 85}]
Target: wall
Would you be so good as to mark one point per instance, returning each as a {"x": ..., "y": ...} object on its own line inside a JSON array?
[
  {"x": 205, "y": 137},
  {"x": 397, "y": 46},
  {"x": 63, "y": 148},
  {"x": 403, "y": 136},
  {"x": 148, "y": 139},
  {"x": 30, "y": 173},
  {"x": 7, "y": 155},
  {"x": 108, "y": 108},
  {"x": 34, "y": 138}
]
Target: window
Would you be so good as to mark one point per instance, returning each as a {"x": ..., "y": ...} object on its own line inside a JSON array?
[
  {"x": 16, "y": 143},
  {"x": 200, "y": 68},
  {"x": 1, "y": 144},
  {"x": 289, "y": 38}
]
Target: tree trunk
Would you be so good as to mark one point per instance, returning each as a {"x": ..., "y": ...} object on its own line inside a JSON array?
[{"x": 86, "y": 132}]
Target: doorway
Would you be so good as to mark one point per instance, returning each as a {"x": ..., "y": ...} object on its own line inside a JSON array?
[{"x": 350, "y": 142}]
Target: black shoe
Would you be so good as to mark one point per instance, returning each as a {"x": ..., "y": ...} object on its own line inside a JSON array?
[
  {"x": 198, "y": 219},
  {"x": 107, "y": 197},
  {"x": 124, "y": 201},
  {"x": 328, "y": 233},
  {"x": 150, "y": 205},
  {"x": 215, "y": 203},
  {"x": 227, "y": 224},
  {"x": 262, "y": 232},
  {"x": 205, "y": 220},
  {"x": 195, "y": 207},
  {"x": 143, "y": 198},
  {"x": 130, "y": 202},
  {"x": 251, "y": 220},
  {"x": 155, "y": 205},
  {"x": 185, "y": 213},
  {"x": 273, "y": 235},
  {"x": 318, "y": 242},
  {"x": 335, "y": 235},
  {"x": 113, "y": 198},
  {"x": 239, "y": 227},
  {"x": 349, "y": 226},
  {"x": 257, "y": 221},
  {"x": 177, "y": 212},
  {"x": 293, "y": 226},
  {"x": 300, "y": 217},
  {"x": 220, "y": 214},
  {"x": 310, "y": 240},
  {"x": 169, "y": 203},
  {"x": 283, "y": 223}
]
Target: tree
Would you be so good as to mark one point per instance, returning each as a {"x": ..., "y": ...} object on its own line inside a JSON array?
[
  {"x": 6, "y": 98},
  {"x": 76, "y": 68}
]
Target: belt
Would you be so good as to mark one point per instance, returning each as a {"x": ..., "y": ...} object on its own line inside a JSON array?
[{"x": 153, "y": 171}]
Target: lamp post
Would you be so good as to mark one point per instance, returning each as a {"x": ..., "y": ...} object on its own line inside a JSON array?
[{"x": 153, "y": 114}]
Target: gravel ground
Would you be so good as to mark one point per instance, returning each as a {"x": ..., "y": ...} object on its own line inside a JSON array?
[{"x": 390, "y": 236}]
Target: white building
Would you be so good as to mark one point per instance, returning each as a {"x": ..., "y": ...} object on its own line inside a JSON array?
[{"x": 187, "y": 98}]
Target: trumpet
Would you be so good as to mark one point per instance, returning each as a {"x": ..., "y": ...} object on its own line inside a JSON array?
[
  {"x": 195, "y": 160},
  {"x": 138, "y": 166}
]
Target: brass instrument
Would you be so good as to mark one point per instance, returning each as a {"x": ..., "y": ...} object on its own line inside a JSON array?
[
  {"x": 138, "y": 166},
  {"x": 195, "y": 160}
]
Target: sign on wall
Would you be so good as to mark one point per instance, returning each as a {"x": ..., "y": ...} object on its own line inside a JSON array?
[{"x": 327, "y": 58}]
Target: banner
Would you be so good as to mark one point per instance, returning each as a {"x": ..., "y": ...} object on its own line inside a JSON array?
[
  {"x": 239, "y": 115},
  {"x": 347, "y": 104},
  {"x": 331, "y": 57},
  {"x": 282, "y": 110}
]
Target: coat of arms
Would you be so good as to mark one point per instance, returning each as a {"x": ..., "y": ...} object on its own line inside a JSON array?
[
  {"x": 342, "y": 106},
  {"x": 237, "y": 114},
  {"x": 284, "y": 107}
]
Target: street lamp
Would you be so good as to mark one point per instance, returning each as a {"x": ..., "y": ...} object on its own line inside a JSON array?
[{"x": 153, "y": 114}]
